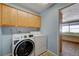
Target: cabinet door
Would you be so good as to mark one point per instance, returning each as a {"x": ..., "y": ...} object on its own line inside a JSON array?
[
  {"x": 9, "y": 15},
  {"x": 31, "y": 21},
  {"x": 37, "y": 21},
  {"x": 34, "y": 21},
  {"x": 0, "y": 14},
  {"x": 6, "y": 15},
  {"x": 13, "y": 17},
  {"x": 22, "y": 19},
  {"x": 19, "y": 18},
  {"x": 25, "y": 20}
]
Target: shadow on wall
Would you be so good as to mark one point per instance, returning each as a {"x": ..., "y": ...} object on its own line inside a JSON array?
[{"x": 13, "y": 30}]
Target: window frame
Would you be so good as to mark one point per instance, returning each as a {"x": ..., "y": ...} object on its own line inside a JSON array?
[{"x": 70, "y": 24}]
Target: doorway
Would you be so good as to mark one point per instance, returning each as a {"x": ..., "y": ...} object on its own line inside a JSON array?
[{"x": 69, "y": 30}]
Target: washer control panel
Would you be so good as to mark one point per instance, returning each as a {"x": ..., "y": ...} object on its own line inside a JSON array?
[{"x": 30, "y": 35}]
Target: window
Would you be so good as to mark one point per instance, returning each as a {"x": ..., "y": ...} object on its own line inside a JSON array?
[
  {"x": 71, "y": 27},
  {"x": 74, "y": 28},
  {"x": 65, "y": 28}
]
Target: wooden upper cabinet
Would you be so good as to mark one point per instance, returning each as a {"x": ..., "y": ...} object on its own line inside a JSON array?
[
  {"x": 37, "y": 21},
  {"x": 0, "y": 14},
  {"x": 27, "y": 20},
  {"x": 19, "y": 18},
  {"x": 6, "y": 15},
  {"x": 22, "y": 20},
  {"x": 13, "y": 16},
  {"x": 30, "y": 18},
  {"x": 34, "y": 21},
  {"x": 9, "y": 16}
]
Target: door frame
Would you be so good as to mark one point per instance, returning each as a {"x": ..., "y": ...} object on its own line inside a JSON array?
[{"x": 60, "y": 22}]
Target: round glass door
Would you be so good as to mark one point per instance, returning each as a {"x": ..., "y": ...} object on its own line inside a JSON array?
[{"x": 24, "y": 48}]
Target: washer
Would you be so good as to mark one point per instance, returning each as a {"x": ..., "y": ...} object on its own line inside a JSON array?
[{"x": 23, "y": 45}]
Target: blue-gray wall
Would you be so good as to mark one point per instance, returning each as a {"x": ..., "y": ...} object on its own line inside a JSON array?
[
  {"x": 50, "y": 26},
  {"x": 6, "y": 37}
]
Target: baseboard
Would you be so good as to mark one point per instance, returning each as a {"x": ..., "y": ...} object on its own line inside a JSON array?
[
  {"x": 9, "y": 54},
  {"x": 52, "y": 53}
]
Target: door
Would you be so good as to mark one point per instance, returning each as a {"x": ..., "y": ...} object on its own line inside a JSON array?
[
  {"x": 9, "y": 15},
  {"x": 24, "y": 48}
]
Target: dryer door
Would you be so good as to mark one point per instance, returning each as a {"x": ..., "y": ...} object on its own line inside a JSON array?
[{"x": 24, "y": 48}]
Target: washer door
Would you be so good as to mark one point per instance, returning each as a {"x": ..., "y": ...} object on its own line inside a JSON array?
[{"x": 24, "y": 48}]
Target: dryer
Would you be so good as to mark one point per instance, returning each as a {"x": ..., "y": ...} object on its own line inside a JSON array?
[
  {"x": 40, "y": 43},
  {"x": 23, "y": 45}
]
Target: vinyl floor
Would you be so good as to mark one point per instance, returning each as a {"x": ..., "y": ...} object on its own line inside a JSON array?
[{"x": 70, "y": 49}]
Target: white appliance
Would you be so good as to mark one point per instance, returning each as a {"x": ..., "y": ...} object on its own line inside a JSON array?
[
  {"x": 23, "y": 45},
  {"x": 30, "y": 44},
  {"x": 40, "y": 42}
]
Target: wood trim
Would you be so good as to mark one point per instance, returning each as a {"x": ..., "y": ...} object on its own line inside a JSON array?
[
  {"x": 60, "y": 35},
  {"x": 25, "y": 27},
  {"x": 42, "y": 53},
  {"x": 71, "y": 41},
  {"x": 60, "y": 22},
  {"x": 20, "y": 9}
]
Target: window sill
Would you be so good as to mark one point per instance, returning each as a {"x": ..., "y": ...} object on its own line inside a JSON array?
[{"x": 71, "y": 34}]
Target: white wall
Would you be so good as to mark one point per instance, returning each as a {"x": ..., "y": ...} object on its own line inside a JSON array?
[{"x": 50, "y": 26}]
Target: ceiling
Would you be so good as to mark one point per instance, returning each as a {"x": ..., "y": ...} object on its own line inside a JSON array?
[
  {"x": 71, "y": 13},
  {"x": 34, "y": 7}
]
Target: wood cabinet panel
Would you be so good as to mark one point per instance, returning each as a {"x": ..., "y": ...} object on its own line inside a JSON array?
[
  {"x": 13, "y": 17},
  {"x": 19, "y": 19},
  {"x": 30, "y": 17},
  {"x": 0, "y": 14},
  {"x": 26, "y": 20},
  {"x": 9, "y": 16},
  {"x": 22, "y": 19},
  {"x": 6, "y": 15},
  {"x": 34, "y": 21},
  {"x": 37, "y": 21}
]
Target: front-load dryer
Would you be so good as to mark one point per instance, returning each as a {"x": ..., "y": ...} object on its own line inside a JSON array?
[
  {"x": 40, "y": 43},
  {"x": 23, "y": 45}
]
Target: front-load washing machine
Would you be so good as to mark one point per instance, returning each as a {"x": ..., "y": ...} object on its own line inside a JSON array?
[{"x": 23, "y": 45}]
